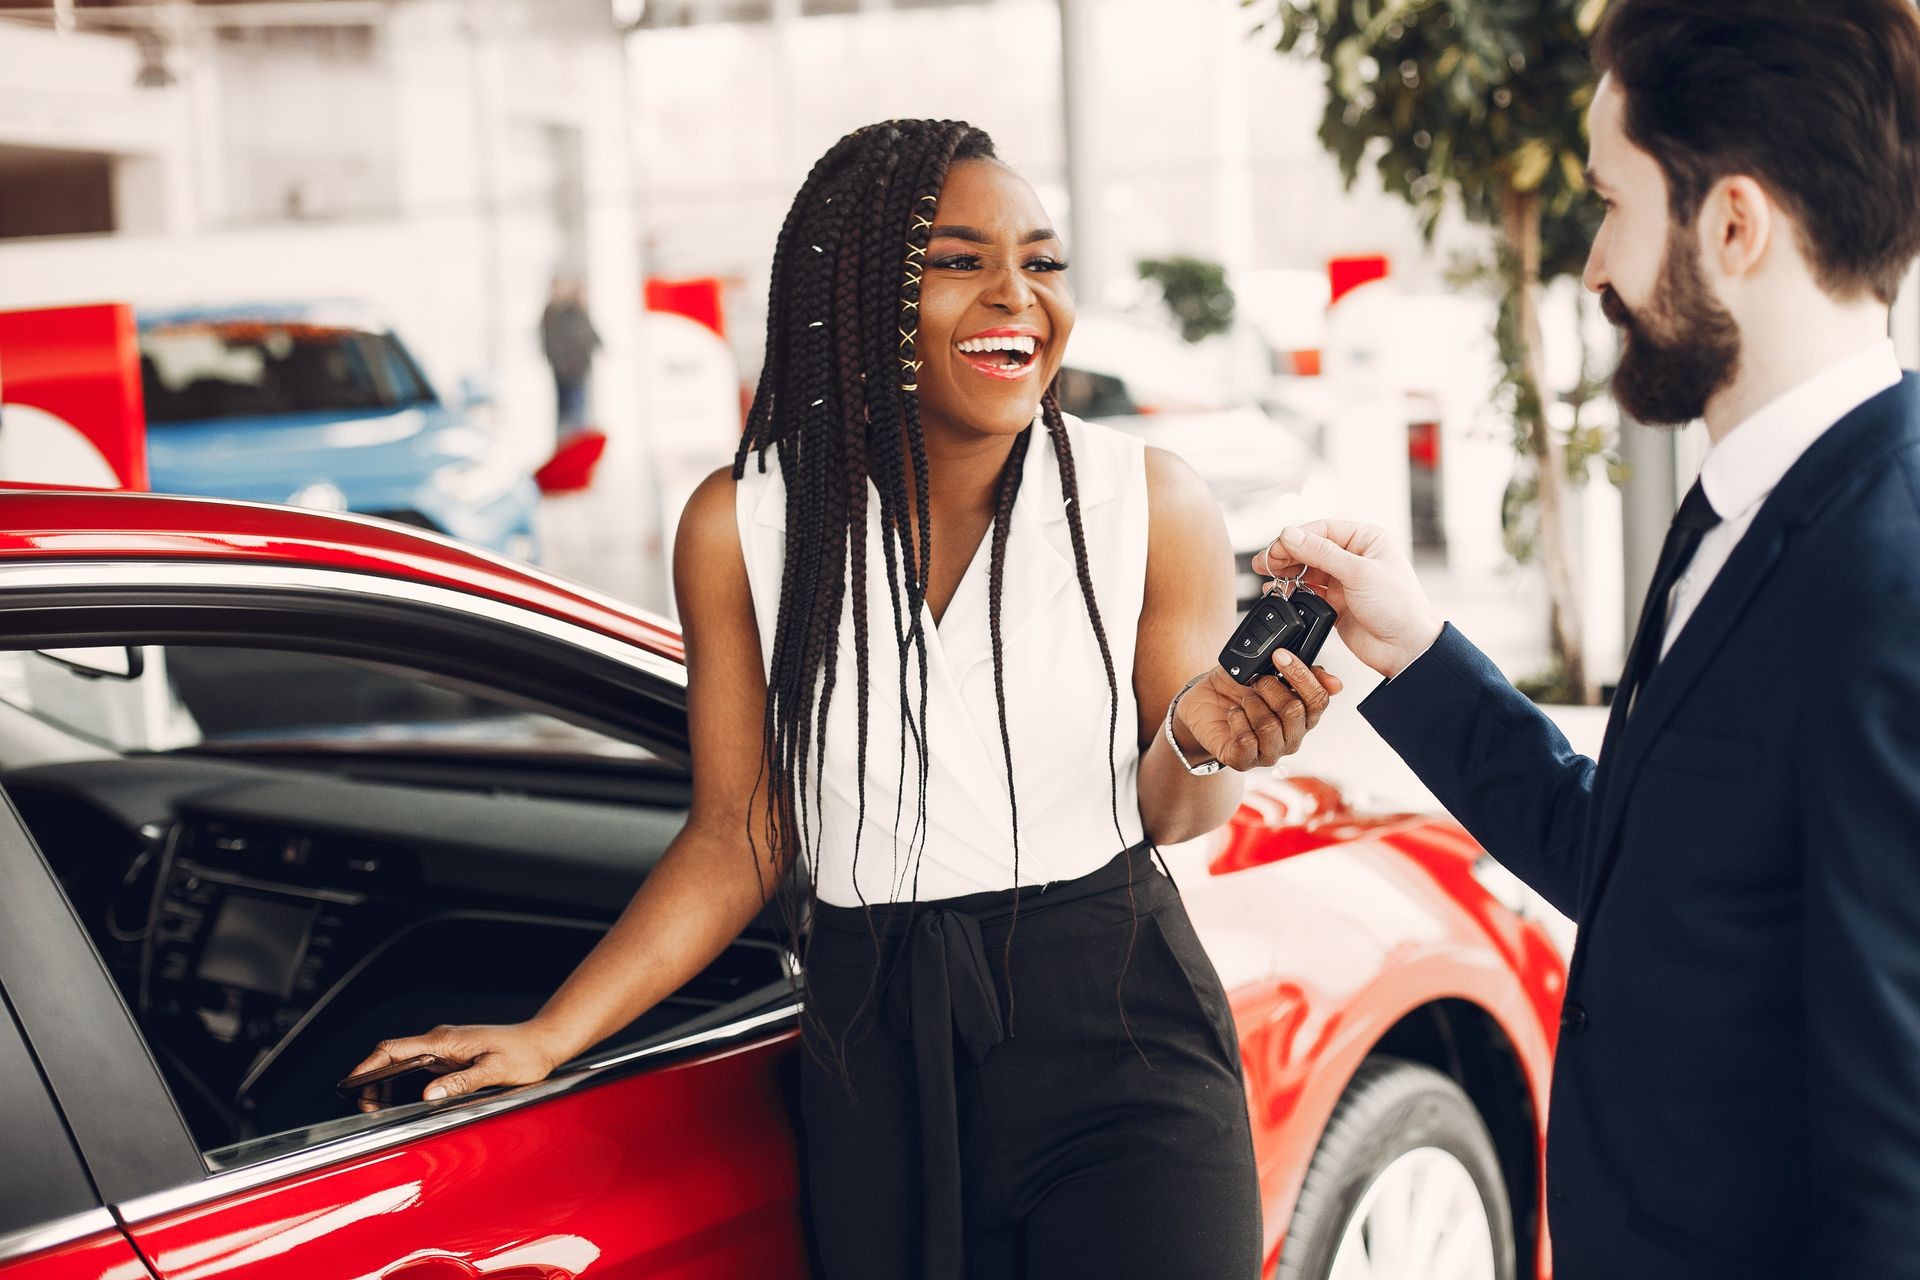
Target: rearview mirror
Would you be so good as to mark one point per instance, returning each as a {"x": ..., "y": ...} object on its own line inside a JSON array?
[{"x": 100, "y": 662}]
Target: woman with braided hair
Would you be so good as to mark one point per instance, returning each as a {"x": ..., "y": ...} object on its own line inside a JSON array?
[{"x": 951, "y": 679}]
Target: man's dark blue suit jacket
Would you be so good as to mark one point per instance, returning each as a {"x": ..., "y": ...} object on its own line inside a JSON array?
[{"x": 1737, "y": 1089}]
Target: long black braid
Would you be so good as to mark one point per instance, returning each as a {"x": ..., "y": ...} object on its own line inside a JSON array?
[{"x": 837, "y": 404}]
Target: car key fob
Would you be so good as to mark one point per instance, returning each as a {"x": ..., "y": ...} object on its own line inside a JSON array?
[
  {"x": 1299, "y": 624},
  {"x": 1319, "y": 617},
  {"x": 1272, "y": 623}
]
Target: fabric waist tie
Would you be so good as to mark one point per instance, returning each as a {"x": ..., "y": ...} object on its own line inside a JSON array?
[{"x": 943, "y": 986}]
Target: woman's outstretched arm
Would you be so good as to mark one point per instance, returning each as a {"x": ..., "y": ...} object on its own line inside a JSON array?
[
  {"x": 1187, "y": 615},
  {"x": 705, "y": 888}
]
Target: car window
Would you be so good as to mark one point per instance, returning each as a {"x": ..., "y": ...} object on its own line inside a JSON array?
[
  {"x": 229, "y": 697},
  {"x": 199, "y": 370},
  {"x": 266, "y": 927},
  {"x": 1086, "y": 394}
]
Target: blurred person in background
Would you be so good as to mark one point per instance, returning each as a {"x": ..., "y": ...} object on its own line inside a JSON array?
[
  {"x": 963, "y": 630},
  {"x": 1737, "y": 1086},
  {"x": 568, "y": 338}
]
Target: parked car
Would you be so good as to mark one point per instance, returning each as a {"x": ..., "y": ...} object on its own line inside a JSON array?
[
  {"x": 280, "y": 783},
  {"x": 1145, "y": 380},
  {"x": 322, "y": 405}
]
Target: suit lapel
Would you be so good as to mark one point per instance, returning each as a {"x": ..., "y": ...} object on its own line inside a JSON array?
[
  {"x": 1853, "y": 447},
  {"x": 1629, "y": 735}
]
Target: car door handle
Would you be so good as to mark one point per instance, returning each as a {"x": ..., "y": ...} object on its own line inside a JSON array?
[{"x": 445, "y": 1266}]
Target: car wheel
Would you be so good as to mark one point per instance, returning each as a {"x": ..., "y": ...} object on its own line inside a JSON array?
[{"x": 1405, "y": 1185}]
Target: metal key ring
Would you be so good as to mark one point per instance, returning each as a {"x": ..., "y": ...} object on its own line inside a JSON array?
[{"x": 1285, "y": 587}]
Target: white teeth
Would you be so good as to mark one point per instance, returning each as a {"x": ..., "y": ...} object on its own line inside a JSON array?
[{"x": 979, "y": 346}]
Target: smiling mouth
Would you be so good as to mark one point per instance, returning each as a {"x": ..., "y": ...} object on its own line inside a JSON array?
[{"x": 1005, "y": 357}]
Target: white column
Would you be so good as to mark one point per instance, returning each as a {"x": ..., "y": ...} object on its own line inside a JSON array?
[
  {"x": 1079, "y": 99},
  {"x": 1233, "y": 138},
  {"x": 481, "y": 26}
]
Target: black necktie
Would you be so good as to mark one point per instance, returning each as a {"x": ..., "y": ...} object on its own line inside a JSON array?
[{"x": 1690, "y": 524}]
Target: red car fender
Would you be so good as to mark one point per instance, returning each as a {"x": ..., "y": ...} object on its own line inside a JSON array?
[
  {"x": 1294, "y": 1088},
  {"x": 1429, "y": 932}
]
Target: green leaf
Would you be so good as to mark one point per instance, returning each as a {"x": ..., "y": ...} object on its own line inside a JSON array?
[
  {"x": 1574, "y": 171},
  {"x": 1530, "y": 164},
  {"x": 1348, "y": 56},
  {"x": 1392, "y": 12}
]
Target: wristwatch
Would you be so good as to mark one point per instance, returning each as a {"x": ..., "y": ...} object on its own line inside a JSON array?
[{"x": 1197, "y": 770}]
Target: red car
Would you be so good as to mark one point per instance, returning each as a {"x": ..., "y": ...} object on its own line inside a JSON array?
[{"x": 282, "y": 783}]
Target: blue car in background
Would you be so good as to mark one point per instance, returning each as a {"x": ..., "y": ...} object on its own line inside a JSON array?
[{"x": 321, "y": 405}]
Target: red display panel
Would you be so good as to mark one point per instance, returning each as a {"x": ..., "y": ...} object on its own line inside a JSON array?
[
  {"x": 1347, "y": 274},
  {"x": 76, "y": 370},
  {"x": 697, "y": 299}
]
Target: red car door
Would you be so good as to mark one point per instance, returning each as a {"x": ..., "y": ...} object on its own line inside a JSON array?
[
  {"x": 675, "y": 1160},
  {"x": 686, "y": 1171}
]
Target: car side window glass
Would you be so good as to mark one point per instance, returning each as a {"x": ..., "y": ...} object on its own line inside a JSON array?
[{"x": 232, "y": 698}]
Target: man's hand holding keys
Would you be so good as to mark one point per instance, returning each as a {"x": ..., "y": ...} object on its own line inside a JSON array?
[{"x": 1385, "y": 616}]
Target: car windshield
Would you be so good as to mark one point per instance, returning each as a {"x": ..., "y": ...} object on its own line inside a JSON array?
[
  {"x": 196, "y": 370},
  {"x": 229, "y": 699}
]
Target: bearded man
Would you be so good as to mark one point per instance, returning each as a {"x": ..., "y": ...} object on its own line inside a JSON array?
[{"x": 1737, "y": 1086}]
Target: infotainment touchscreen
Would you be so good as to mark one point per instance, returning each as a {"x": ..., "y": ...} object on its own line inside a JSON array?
[{"x": 256, "y": 944}]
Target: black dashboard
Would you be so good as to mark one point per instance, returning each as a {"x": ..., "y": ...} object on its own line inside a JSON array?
[{"x": 268, "y": 924}]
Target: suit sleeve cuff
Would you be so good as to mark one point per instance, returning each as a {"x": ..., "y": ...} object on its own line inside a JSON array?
[{"x": 1448, "y": 678}]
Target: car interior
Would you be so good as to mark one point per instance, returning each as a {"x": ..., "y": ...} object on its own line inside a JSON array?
[{"x": 285, "y": 856}]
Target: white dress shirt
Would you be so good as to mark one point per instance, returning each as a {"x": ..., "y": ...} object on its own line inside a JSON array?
[{"x": 1743, "y": 468}]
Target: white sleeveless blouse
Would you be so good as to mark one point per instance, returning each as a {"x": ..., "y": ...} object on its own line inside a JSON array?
[{"x": 1056, "y": 691}]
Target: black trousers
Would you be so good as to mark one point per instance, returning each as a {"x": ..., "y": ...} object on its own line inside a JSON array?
[{"x": 990, "y": 1120}]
